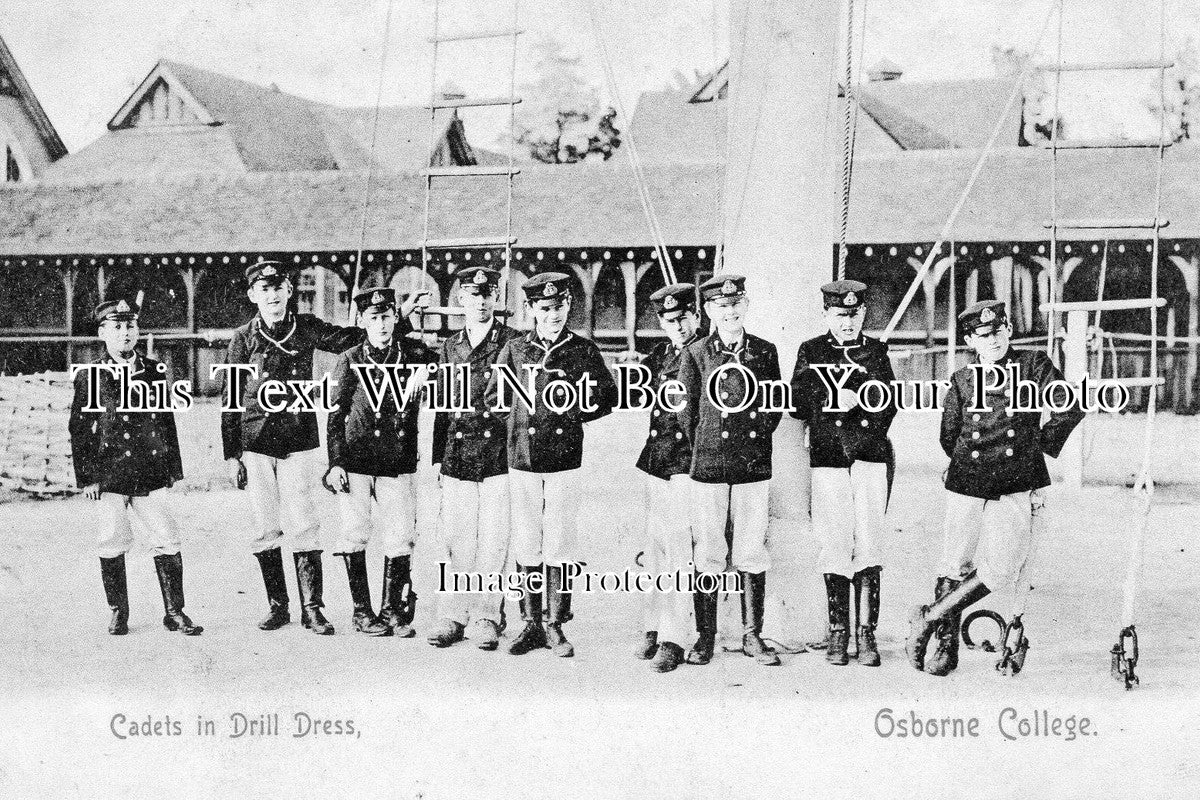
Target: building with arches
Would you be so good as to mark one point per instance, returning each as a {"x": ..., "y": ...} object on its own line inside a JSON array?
[{"x": 114, "y": 215}]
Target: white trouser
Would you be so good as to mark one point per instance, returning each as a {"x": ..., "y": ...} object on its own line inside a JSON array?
[
  {"x": 544, "y": 506},
  {"x": 474, "y": 538},
  {"x": 746, "y": 504},
  {"x": 396, "y": 514},
  {"x": 115, "y": 536},
  {"x": 668, "y": 549},
  {"x": 848, "y": 508},
  {"x": 281, "y": 492},
  {"x": 996, "y": 539}
]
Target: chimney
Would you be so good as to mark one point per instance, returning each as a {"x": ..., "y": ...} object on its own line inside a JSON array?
[{"x": 884, "y": 71}]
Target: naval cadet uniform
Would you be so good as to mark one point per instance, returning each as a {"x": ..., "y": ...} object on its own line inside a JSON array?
[
  {"x": 730, "y": 469},
  {"x": 470, "y": 446},
  {"x": 666, "y": 460},
  {"x": 134, "y": 457},
  {"x": 545, "y": 451},
  {"x": 378, "y": 451},
  {"x": 279, "y": 449},
  {"x": 994, "y": 501},
  {"x": 850, "y": 455},
  {"x": 997, "y": 468}
]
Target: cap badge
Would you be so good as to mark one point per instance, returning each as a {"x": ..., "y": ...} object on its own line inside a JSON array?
[
  {"x": 479, "y": 279},
  {"x": 377, "y": 298},
  {"x": 123, "y": 307},
  {"x": 670, "y": 302},
  {"x": 851, "y": 299},
  {"x": 550, "y": 290},
  {"x": 729, "y": 287},
  {"x": 987, "y": 315},
  {"x": 268, "y": 271}
]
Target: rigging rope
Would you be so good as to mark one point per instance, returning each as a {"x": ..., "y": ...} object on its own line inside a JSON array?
[
  {"x": 1144, "y": 484},
  {"x": 849, "y": 132},
  {"x": 635, "y": 162},
  {"x": 1051, "y": 316},
  {"x": 722, "y": 163},
  {"x": 1018, "y": 84},
  {"x": 356, "y": 267}
]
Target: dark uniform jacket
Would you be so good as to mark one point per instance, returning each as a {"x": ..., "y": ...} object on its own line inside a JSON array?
[
  {"x": 470, "y": 445},
  {"x": 668, "y": 449},
  {"x": 361, "y": 439},
  {"x": 544, "y": 440},
  {"x": 838, "y": 439},
  {"x": 288, "y": 357},
  {"x": 999, "y": 452},
  {"x": 728, "y": 447},
  {"x": 130, "y": 453}
]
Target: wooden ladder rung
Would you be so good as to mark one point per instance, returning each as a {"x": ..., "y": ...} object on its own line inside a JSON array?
[
  {"x": 471, "y": 171},
  {"x": 1102, "y": 144},
  {"x": 1104, "y": 66},
  {"x": 1114, "y": 223},
  {"x": 1132, "y": 383},
  {"x": 487, "y": 33},
  {"x": 469, "y": 241},
  {"x": 1105, "y": 305},
  {"x": 471, "y": 102},
  {"x": 440, "y": 310}
]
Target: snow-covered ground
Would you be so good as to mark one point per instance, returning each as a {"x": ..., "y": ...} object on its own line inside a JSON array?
[{"x": 461, "y": 722}]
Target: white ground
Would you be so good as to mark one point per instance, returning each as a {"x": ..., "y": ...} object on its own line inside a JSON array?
[{"x": 460, "y": 722}]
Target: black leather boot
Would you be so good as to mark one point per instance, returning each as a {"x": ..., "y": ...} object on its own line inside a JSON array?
[
  {"x": 558, "y": 613},
  {"x": 271, "y": 564},
  {"x": 754, "y": 595},
  {"x": 647, "y": 646},
  {"x": 944, "y": 658},
  {"x": 364, "y": 619},
  {"x": 310, "y": 583},
  {"x": 668, "y": 657},
  {"x": 170, "y": 581},
  {"x": 116, "y": 592},
  {"x": 866, "y": 588},
  {"x": 398, "y": 607},
  {"x": 533, "y": 635},
  {"x": 705, "y": 606},
  {"x": 837, "y": 591},
  {"x": 926, "y": 620}
]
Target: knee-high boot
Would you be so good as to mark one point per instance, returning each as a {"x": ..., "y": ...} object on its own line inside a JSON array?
[{"x": 170, "y": 581}]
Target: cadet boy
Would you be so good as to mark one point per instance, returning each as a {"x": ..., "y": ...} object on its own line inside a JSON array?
[
  {"x": 127, "y": 460},
  {"x": 373, "y": 454},
  {"x": 666, "y": 459},
  {"x": 470, "y": 446},
  {"x": 731, "y": 462},
  {"x": 994, "y": 491},
  {"x": 850, "y": 455},
  {"x": 545, "y": 450},
  {"x": 273, "y": 454}
]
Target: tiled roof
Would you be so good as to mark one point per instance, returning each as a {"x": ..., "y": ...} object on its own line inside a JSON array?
[
  {"x": 905, "y": 197},
  {"x": 259, "y": 129},
  {"x": 963, "y": 112}
]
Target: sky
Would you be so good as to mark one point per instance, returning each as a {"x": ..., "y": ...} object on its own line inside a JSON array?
[{"x": 84, "y": 57}]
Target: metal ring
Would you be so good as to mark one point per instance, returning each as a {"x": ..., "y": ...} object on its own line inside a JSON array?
[{"x": 981, "y": 613}]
